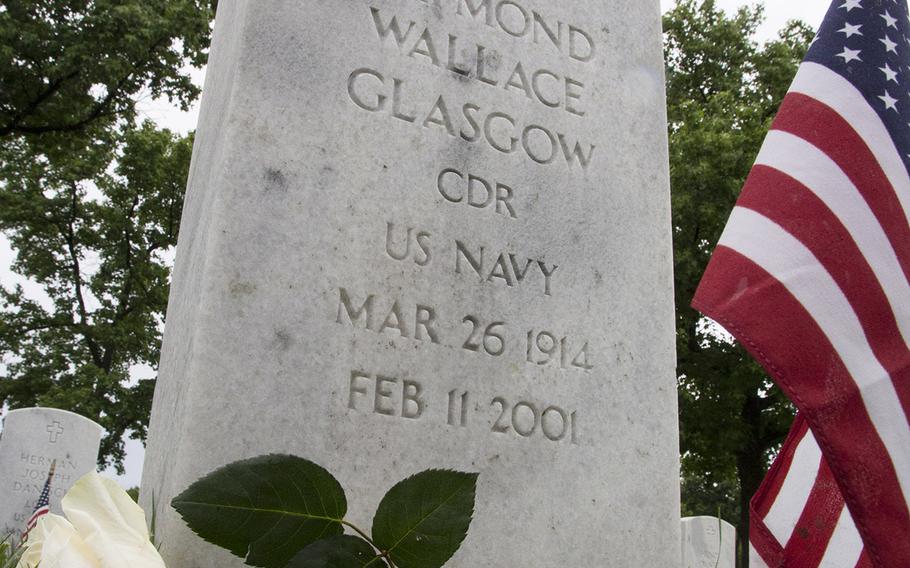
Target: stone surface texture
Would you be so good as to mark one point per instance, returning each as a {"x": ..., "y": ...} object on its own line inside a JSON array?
[
  {"x": 439, "y": 243},
  {"x": 31, "y": 439},
  {"x": 708, "y": 542}
]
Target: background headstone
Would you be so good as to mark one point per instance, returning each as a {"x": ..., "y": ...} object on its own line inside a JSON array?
[
  {"x": 708, "y": 542},
  {"x": 31, "y": 439},
  {"x": 433, "y": 234}
]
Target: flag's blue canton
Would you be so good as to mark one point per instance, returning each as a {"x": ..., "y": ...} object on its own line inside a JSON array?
[
  {"x": 44, "y": 499},
  {"x": 868, "y": 43}
]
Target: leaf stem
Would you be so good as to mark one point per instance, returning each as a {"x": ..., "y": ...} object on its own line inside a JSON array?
[
  {"x": 360, "y": 532},
  {"x": 363, "y": 535}
]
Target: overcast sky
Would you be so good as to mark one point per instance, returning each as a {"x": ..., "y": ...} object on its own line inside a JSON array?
[{"x": 777, "y": 12}]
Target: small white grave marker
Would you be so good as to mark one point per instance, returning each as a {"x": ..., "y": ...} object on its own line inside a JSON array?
[
  {"x": 708, "y": 542},
  {"x": 31, "y": 439}
]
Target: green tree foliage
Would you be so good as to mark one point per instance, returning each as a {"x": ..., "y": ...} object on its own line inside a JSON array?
[
  {"x": 94, "y": 244},
  {"x": 72, "y": 66},
  {"x": 723, "y": 91},
  {"x": 89, "y": 200}
]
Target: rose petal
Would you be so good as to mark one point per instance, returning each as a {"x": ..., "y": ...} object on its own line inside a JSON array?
[
  {"x": 54, "y": 543},
  {"x": 110, "y": 523},
  {"x": 36, "y": 538}
]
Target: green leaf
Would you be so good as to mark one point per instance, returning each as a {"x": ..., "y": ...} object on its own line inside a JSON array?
[
  {"x": 264, "y": 509},
  {"x": 338, "y": 552},
  {"x": 423, "y": 520}
]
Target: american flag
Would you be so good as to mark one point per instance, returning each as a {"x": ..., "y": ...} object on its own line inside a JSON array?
[
  {"x": 812, "y": 275},
  {"x": 42, "y": 507}
]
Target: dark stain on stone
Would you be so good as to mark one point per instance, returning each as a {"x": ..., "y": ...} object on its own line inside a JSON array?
[
  {"x": 283, "y": 339},
  {"x": 275, "y": 180},
  {"x": 239, "y": 289}
]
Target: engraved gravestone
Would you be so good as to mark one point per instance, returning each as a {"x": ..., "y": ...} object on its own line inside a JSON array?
[
  {"x": 433, "y": 234},
  {"x": 31, "y": 440},
  {"x": 708, "y": 542}
]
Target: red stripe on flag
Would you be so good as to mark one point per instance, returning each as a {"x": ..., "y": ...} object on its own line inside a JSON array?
[
  {"x": 802, "y": 214},
  {"x": 864, "y": 561},
  {"x": 809, "y": 541},
  {"x": 764, "y": 543},
  {"x": 791, "y": 347},
  {"x": 824, "y": 128}
]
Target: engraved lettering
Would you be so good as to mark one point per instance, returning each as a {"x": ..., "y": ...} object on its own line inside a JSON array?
[
  {"x": 354, "y": 316},
  {"x": 390, "y": 396},
  {"x": 425, "y": 324},
  {"x": 526, "y": 144},
  {"x": 480, "y": 193},
  {"x": 439, "y": 115},
  {"x": 380, "y": 99},
  {"x": 555, "y": 37},
  {"x": 382, "y": 402},
  {"x": 397, "y": 111},
  {"x": 447, "y": 194},
  {"x": 519, "y": 17},
  {"x": 461, "y": 251},
  {"x": 576, "y": 153},
  {"x": 458, "y": 409},
  {"x": 370, "y": 91},
  {"x": 519, "y": 80},
  {"x": 525, "y": 419},
  {"x": 538, "y": 91},
  {"x": 582, "y": 51},
  {"x": 395, "y": 320},
  {"x": 424, "y": 46},
  {"x": 412, "y": 404},
  {"x": 451, "y": 65},
  {"x": 516, "y": 21},
  {"x": 355, "y": 388},
  {"x": 547, "y": 272},
  {"x": 572, "y": 96},
  {"x": 478, "y": 8},
  {"x": 421, "y": 245},
  {"x": 383, "y": 29},
  {"x": 544, "y": 348},
  {"x": 505, "y": 268}
]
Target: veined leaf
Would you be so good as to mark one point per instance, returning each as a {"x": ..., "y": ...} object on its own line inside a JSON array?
[
  {"x": 338, "y": 552},
  {"x": 423, "y": 520},
  {"x": 264, "y": 509}
]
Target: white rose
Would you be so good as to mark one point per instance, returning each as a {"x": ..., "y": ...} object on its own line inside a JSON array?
[
  {"x": 54, "y": 543},
  {"x": 106, "y": 529}
]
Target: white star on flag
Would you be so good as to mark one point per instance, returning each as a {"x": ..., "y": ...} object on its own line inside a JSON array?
[
  {"x": 850, "y": 54},
  {"x": 889, "y": 45},
  {"x": 890, "y": 73},
  {"x": 851, "y": 30},
  {"x": 890, "y": 102},
  {"x": 889, "y": 20},
  {"x": 850, "y": 4}
]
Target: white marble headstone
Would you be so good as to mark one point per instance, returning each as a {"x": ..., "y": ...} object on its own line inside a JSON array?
[
  {"x": 433, "y": 234},
  {"x": 708, "y": 542},
  {"x": 31, "y": 439}
]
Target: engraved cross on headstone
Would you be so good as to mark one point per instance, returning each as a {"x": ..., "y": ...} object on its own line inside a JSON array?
[{"x": 54, "y": 430}]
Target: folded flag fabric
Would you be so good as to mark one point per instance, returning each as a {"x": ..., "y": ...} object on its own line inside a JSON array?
[{"x": 812, "y": 273}]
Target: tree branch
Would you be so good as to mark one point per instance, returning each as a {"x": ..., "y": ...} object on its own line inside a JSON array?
[
  {"x": 98, "y": 110},
  {"x": 70, "y": 238}
]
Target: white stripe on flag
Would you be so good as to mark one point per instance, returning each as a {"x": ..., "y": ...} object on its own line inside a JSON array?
[
  {"x": 794, "y": 493},
  {"x": 814, "y": 169},
  {"x": 845, "y": 546},
  {"x": 787, "y": 260},
  {"x": 829, "y": 88}
]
